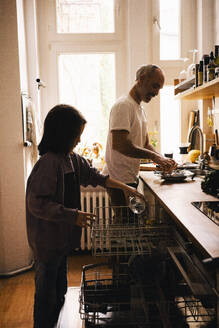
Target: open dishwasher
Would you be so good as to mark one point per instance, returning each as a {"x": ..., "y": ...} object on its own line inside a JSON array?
[
  {"x": 110, "y": 295},
  {"x": 136, "y": 286}
]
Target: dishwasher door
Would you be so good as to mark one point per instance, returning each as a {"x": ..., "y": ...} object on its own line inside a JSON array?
[{"x": 199, "y": 297}]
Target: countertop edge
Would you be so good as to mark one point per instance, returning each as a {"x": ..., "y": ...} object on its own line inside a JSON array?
[{"x": 176, "y": 199}]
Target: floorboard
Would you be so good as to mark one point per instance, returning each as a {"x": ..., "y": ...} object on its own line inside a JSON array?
[{"x": 17, "y": 293}]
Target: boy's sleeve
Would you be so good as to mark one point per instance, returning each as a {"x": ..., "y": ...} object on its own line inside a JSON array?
[
  {"x": 90, "y": 175},
  {"x": 41, "y": 195}
]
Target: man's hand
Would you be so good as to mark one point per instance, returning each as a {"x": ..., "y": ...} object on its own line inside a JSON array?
[
  {"x": 167, "y": 164},
  {"x": 85, "y": 219}
]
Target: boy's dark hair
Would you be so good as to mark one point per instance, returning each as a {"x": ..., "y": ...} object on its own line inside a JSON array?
[{"x": 61, "y": 128}]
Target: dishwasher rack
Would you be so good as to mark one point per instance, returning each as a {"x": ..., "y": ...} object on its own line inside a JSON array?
[
  {"x": 136, "y": 288},
  {"x": 117, "y": 231},
  {"x": 108, "y": 301}
]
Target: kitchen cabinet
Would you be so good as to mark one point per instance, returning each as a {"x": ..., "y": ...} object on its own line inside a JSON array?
[
  {"x": 195, "y": 252},
  {"x": 205, "y": 92}
]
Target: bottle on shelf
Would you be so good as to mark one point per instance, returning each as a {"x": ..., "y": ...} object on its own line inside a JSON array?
[
  {"x": 206, "y": 59},
  {"x": 216, "y": 53},
  {"x": 200, "y": 73},
  {"x": 211, "y": 67},
  {"x": 216, "y": 61},
  {"x": 196, "y": 74}
]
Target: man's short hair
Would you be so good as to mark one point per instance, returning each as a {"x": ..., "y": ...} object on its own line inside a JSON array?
[{"x": 146, "y": 69}]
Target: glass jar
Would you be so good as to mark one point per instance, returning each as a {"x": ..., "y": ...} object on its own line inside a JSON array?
[{"x": 137, "y": 205}]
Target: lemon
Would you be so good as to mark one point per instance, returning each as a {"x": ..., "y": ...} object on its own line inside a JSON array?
[{"x": 193, "y": 155}]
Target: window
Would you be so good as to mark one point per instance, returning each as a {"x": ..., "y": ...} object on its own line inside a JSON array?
[
  {"x": 82, "y": 59},
  {"x": 85, "y": 16},
  {"x": 169, "y": 33},
  {"x": 87, "y": 81},
  {"x": 174, "y": 34}
]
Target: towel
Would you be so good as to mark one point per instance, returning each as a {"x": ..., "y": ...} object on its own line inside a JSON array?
[{"x": 34, "y": 129}]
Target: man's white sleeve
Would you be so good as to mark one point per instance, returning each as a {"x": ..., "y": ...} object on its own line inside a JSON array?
[{"x": 120, "y": 118}]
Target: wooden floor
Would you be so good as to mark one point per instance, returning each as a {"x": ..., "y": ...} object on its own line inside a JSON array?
[{"x": 17, "y": 293}]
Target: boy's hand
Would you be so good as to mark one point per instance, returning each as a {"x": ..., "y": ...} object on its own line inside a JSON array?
[{"x": 85, "y": 219}]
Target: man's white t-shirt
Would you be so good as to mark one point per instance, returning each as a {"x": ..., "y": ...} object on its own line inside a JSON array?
[{"x": 127, "y": 115}]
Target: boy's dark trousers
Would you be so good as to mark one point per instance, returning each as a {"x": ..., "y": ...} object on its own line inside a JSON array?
[{"x": 50, "y": 290}]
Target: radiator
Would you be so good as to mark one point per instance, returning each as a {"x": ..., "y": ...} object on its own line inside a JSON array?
[{"x": 90, "y": 199}]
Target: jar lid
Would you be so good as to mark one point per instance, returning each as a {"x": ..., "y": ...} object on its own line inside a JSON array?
[{"x": 183, "y": 150}]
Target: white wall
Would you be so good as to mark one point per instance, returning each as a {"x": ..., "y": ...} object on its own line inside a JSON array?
[
  {"x": 216, "y": 22},
  {"x": 205, "y": 26},
  {"x": 14, "y": 251},
  {"x": 139, "y": 37}
]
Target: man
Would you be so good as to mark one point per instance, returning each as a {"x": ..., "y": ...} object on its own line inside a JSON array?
[{"x": 128, "y": 139}]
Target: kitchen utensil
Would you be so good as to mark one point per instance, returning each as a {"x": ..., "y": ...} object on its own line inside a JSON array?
[
  {"x": 216, "y": 137},
  {"x": 191, "y": 122}
]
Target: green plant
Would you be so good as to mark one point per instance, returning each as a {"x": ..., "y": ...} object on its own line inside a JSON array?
[{"x": 153, "y": 138}]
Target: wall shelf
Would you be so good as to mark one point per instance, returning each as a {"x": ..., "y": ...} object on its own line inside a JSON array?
[{"x": 205, "y": 91}]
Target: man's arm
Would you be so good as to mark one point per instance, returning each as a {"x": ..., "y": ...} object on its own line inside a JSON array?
[{"x": 122, "y": 144}]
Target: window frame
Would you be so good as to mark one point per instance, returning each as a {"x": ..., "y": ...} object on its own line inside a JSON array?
[
  {"x": 187, "y": 41},
  {"x": 119, "y": 11},
  {"x": 172, "y": 68},
  {"x": 51, "y": 44},
  {"x": 57, "y": 49}
]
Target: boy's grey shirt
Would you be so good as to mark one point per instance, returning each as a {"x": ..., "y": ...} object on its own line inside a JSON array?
[{"x": 51, "y": 228}]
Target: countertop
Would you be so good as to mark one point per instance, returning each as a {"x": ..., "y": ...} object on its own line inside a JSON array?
[{"x": 176, "y": 198}]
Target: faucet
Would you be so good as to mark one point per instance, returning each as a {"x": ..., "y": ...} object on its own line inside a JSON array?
[{"x": 201, "y": 157}]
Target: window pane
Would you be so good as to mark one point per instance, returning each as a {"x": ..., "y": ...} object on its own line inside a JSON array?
[
  {"x": 85, "y": 16},
  {"x": 87, "y": 82},
  {"x": 169, "y": 34},
  {"x": 169, "y": 121}
]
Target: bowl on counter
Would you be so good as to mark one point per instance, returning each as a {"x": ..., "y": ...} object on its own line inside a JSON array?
[{"x": 176, "y": 176}]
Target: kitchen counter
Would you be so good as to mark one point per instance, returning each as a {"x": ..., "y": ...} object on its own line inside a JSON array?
[{"x": 176, "y": 198}]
